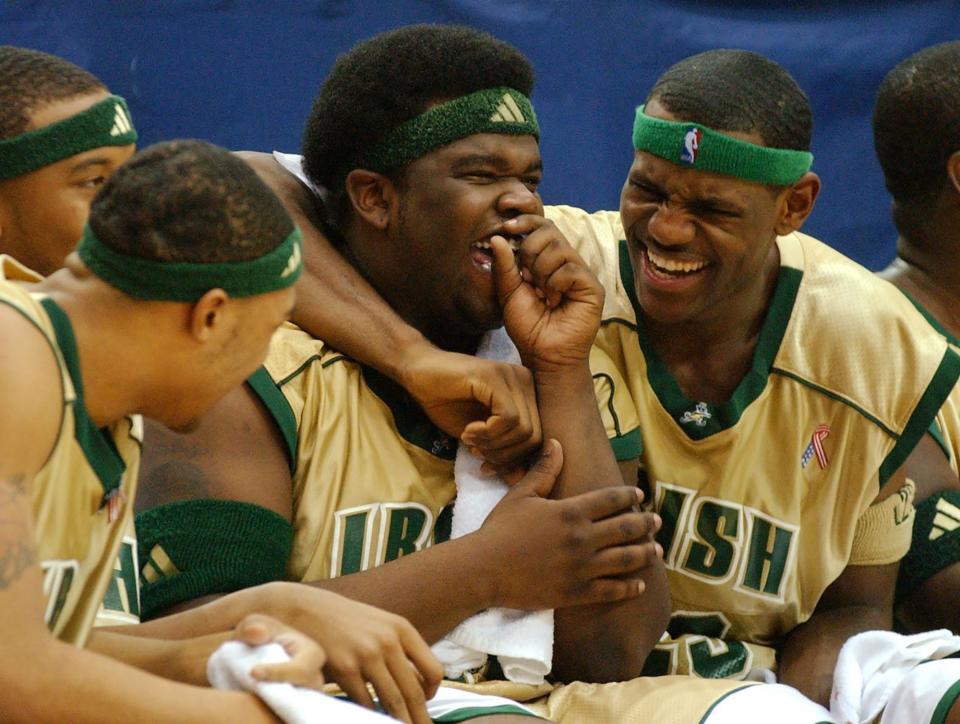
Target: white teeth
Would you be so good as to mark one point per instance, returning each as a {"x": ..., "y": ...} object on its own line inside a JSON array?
[
  {"x": 514, "y": 244},
  {"x": 674, "y": 266}
]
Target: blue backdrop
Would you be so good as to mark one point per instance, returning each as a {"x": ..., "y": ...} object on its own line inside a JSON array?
[{"x": 243, "y": 73}]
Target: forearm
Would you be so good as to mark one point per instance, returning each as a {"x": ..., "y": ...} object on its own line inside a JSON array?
[
  {"x": 337, "y": 305},
  {"x": 809, "y": 655},
  {"x": 52, "y": 681},
  {"x": 435, "y": 589},
  {"x": 184, "y": 660},
  {"x": 602, "y": 642}
]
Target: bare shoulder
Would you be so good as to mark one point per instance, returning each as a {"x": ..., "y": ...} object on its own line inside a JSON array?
[
  {"x": 236, "y": 452},
  {"x": 31, "y": 390}
]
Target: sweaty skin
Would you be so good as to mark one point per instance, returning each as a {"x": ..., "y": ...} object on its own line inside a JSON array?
[{"x": 42, "y": 213}]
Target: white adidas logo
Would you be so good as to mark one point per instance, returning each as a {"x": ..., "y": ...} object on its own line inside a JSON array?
[
  {"x": 946, "y": 520},
  {"x": 293, "y": 263},
  {"x": 121, "y": 122},
  {"x": 508, "y": 111}
]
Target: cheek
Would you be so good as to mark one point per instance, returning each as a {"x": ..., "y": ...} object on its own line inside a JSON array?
[{"x": 63, "y": 216}]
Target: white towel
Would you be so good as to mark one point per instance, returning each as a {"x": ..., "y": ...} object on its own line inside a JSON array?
[
  {"x": 871, "y": 665},
  {"x": 522, "y": 640},
  {"x": 229, "y": 668}
]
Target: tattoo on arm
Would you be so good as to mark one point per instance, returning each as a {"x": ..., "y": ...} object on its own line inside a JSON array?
[{"x": 16, "y": 547}]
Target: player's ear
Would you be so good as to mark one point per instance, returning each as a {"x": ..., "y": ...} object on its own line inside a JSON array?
[
  {"x": 207, "y": 315},
  {"x": 796, "y": 203},
  {"x": 372, "y": 196},
  {"x": 953, "y": 170}
]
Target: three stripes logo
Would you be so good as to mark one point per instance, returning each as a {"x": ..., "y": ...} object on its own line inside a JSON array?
[
  {"x": 158, "y": 566},
  {"x": 946, "y": 520},
  {"x": 508, "y": 111},
  {"x": 121, "y": 122},
  {"x": 293, "y": 263}
]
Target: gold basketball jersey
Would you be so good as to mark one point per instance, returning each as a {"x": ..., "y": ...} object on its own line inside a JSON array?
[
  {"x": 373, "y": 477},
  {"x": 760, "y": 497},
  {"x": 83, "y": 495}
]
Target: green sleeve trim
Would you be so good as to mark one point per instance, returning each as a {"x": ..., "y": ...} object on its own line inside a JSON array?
[
  {"x": 944, "y": 380},
  {"x": 628, "y": 446},
  {"x": 706, "y": 714},
  {"x": 272, "y": 398},
  {"x": 474, "y": 712},
  {"x": 194, "y": 548},
  {"x": 933, "y": 321},
  {"x": 97, "y": 444},
  {"x": 945, "y": 704}
]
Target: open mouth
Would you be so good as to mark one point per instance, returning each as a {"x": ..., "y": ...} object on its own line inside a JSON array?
[
  {"x": 481, "y": 252},
  {"x": 664, "y": 268}
]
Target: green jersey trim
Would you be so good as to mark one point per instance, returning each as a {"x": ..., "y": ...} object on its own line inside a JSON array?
[
  {"x": 97, "y": 444},
  {"x": 699, "y": 420},
  {"x": 833, "y": 396},
  {"x": 925, "y": 412},
  {"x": 411, "y": 421},
  {"x": 945, "y": 704},
  {"x": 933, "y": 321},
  {"x": 708, "y": 712},
  {"x": 263, "y": 386},
  {"x": 474, "y": 712}
]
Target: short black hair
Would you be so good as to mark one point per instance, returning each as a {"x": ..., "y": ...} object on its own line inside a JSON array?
[
  {"x": 188, "y": 200},
  {"x": 31, "y": 80},
  {"x": 737, "y": 90},
  {"x": 393, "y": 77},
  {"x": 916, "y": 121}
]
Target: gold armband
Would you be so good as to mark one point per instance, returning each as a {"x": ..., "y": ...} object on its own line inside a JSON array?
[{"x": 884, "y": 530}]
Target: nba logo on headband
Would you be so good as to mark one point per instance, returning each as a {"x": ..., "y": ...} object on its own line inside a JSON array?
[{"x": 691, "y": 145}]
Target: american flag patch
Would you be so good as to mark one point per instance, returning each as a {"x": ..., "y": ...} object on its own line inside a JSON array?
[{"x": 816, "y": 448}]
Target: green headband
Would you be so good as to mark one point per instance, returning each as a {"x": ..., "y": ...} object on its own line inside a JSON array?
[
  {"x": 696, "y": 146},
  {"x": 493, "y": 110},
  {"x": 106, "y": 123},
  {"x": 180, "y": 281}
]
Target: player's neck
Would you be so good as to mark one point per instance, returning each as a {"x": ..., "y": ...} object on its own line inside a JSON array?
[
  {"x": 708, "y": 357},
  {"x": 113, "y": 359},
  {"x": 929, "y": 276}
]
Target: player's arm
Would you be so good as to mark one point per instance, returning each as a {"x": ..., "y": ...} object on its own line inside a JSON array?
[
  {"x": 34, "y": 665},
  {"x": 861, "y": 599},
  {"x": 928, "y": 584},
  {"x": 553, "y": 317},
  {"x": 211, "y": 473},
  {"x": 335, "y": 304},
  {"x": 578, "y": 563}
]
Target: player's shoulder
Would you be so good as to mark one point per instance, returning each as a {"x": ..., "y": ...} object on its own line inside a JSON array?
[
  {"x": 598, "y": 238},
  {"x": 31, "y": 380},
  {"x": 293, "y": 353},
  {"x": 855, "y": 335}
]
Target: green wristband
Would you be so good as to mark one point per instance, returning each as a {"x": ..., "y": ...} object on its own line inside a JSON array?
[{"x": 696, "y": 146}]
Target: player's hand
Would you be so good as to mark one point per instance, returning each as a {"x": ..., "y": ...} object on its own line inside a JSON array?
[
  {"x": 307, "y": 657},
  {"x": 490, "y": 405},
  {"x": 367, "y": 645},
  {"x": 581, "y": 550},
  {"x": 551, "y": 302}
]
